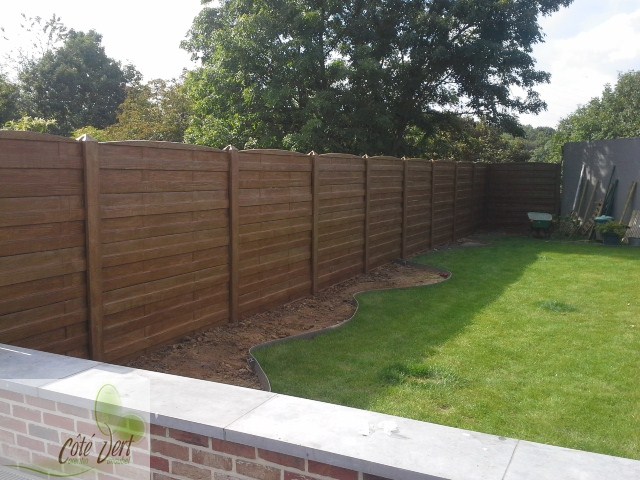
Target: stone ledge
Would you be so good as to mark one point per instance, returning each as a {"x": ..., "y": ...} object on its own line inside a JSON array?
[{"x": 340, "y": 436}]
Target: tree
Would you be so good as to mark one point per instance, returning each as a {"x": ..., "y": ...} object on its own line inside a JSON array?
[
  {"x": 76, "y": 85},
  {"x": 8, "y": 100},
  {"x": 614, "y": 115},
  {"x": 158, "y": 111},
  {"x": 465, "y": 139},
  {"x": 362, "y": 77},
  {"x": 30, "y": 124}
]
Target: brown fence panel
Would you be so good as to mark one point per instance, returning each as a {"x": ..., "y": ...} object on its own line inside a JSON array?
[
  {"x": 514, "y": 189},
  {"x": 418, "y": 205},
  {"x": 275, "y": 228},
  {"x": 109, "y": 249},
  {"x": 479, "y": 195},
  {"x": 385, "y": 210},
  {"x": 341, "y": 221},
  {"x": 42, "y": 244},
  {"x": 464, "y": 200},
  {"x": 165, "y": 236},
  {"x": 443, "y": 210}
]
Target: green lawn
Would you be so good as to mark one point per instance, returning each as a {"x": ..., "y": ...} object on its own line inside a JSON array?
[{"x": 529, "y": 339}]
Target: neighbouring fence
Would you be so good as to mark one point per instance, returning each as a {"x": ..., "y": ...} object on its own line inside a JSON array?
[
  {"x": 513, "y": 189},
  {"x": 108, "y": 249}
]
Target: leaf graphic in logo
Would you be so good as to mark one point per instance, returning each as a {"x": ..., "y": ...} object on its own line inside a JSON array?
[{"x": 110, "y": 419}]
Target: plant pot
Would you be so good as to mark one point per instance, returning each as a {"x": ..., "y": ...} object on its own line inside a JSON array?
[
  {"x": 610, "y": 239},
  {"x": 634, "y": 241}
]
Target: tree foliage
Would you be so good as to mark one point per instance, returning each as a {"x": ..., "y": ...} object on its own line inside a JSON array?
[
  {"x": 465, "y": 139},
  {"x": 8, "y": 100},
  {"x": 76, "y": 84},
  {"x": 31, "y": 124},
  {"x": 358, "y": 76},
  {"x": 616, "y": 114},
  {"x": 158, "y": 110}
]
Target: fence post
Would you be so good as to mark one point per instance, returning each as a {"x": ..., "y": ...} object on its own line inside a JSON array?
[
  {"x": 558, "y": 188},
  {"x": 455, "y": 202},
  {"x": 234, "y": 232},
  {"x": 315, "y": 197},
  {"x": 433, "y": 200},
  {"x": 93, "y": 245},
  {"x": 405, "y": 204},
  {"x": 367, "y": 210}
]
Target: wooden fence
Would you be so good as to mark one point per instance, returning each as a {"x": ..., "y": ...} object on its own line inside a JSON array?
[
  {"x": 513, "y": 189},
  {"x": 108, "y": 249}
]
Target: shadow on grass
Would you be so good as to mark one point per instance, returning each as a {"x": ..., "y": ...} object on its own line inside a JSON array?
[
  {"x": 395, "y": 330},
  {"x": 476, "y": 353}
]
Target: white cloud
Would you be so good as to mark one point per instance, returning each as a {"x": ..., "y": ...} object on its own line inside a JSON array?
[
  {"x": 146, "y": 33},
  {"x": 583, "y": 62}
]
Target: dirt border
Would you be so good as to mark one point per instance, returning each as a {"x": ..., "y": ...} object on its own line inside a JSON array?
[{"x": 222, "y": 353}]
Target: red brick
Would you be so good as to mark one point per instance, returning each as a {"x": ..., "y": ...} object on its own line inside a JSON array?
[
  {"x": 44, "y": 433},
  {"x": 7, "y": 437},
  {"x": 187, "y": 437},
  {"x": 231, "y": 448},
  {"x": 297, "y": 476},
  {"x": 131, "y": 472},
  {"x": 74, "y": 411},
  {"x": 86, "y": 428},
  {"x": 27, "y": 413},
  {"x": 41, "y": 403},
  {"x": 106, "y": 476},
  {"x": 13, "y": 424},
  {"x": 257, "y": 471},
  {"x": 190, "y": 471},
  {"x": 13, "y": 396},
  {"x": 159, "y": 463},
  {"x": 31, "y": 443},
  {"x": 211, "y": 460},
  {"x": 224, "y": 476},
  {"x": 158, "y": 430},
  {"x": 282, "y": 459},
  {"x": 167, "y": 449},
  {"x": 330, "y": 471},
  {"x": 58, "y": 421},
  {"x": 15, "y": 454},
  {"x": 5, "y": 408},
  {"x": 160, "y": 476}
]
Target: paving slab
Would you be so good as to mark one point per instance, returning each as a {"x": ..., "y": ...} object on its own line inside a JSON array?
[
  {"x": 24, "y": 368},
  {"x": 351, "y": 438},
  {"x": 535, "y": 461},
  {"x": 206, "y": 407}
]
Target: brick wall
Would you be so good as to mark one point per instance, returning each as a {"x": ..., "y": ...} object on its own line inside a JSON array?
[
  {"x": 36, "y": 432},
  {"x": 179, "y": 455}
]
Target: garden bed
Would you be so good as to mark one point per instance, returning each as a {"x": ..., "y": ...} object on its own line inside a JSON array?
[{"x": 220, "y": 354}]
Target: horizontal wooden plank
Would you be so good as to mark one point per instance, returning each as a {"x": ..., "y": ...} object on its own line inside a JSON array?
[
  {"x": 39, "y": 238},
  {"x": 17, "y": 269},
  {"x": 274, "y": 228},
  {"x": 265, "y": 213},
  {"x": 133, "y": 157},
  {"x": 40, "y": 154},
  {"x": 150, "y": 270},
  {"x": 157, "y": 247},
  {"x": 129, "y": 297},
  {"x": 258, "y": 248},
  {"x": 131, "y": 228}
]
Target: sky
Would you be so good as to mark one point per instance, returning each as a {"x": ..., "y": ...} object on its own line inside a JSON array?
[{"x": 586, "y": 45}]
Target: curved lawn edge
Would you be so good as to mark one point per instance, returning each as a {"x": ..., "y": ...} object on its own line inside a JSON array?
[{"x": 254, "y": 364}]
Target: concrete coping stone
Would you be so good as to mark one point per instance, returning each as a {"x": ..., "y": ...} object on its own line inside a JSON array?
[{"x": 369, "y": 442}]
